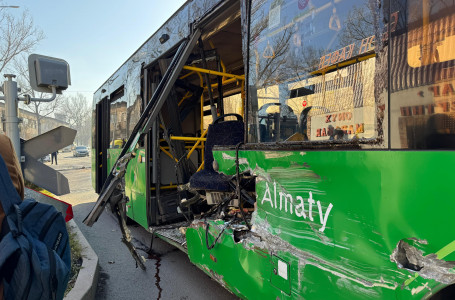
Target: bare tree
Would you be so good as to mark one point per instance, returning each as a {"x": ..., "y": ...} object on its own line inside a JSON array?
[
  {"x": 85, "y": 132},
  {"x": 77, "y": 113},
  {"x": 359, "y": 25},
  {"x": 41, "y": 110},
  {"x": 18, "y": 35}
]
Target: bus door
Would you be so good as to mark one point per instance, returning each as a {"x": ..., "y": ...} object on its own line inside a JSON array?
[
  {"x": 102, "y": 142},
  {"x": 151, "y": 79},
  {"x": 161, "y": 176}
]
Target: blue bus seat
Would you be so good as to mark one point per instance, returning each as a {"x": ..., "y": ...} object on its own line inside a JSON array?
[{"x": 228, "y": 133}]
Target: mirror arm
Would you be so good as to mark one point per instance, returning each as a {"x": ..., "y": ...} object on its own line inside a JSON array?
[{"x": 27, "y": 99}]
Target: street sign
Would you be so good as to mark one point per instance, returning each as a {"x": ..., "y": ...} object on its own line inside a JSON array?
[
  {"x": 48, "y": 142},
  {"x": 37, "y": 147},
  {"x": 45, "y": 177}
]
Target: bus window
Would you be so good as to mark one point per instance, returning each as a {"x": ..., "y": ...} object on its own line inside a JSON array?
[
  {"x": 118, "y": 119},
  {"x": 313, "y": 68},
  {"x": 423, "y": 77}
]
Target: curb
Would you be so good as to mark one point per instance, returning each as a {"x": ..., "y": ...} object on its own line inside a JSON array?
[{"x": 87, "y": 279}]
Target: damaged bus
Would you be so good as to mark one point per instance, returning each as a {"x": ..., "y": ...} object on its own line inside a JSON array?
[{"x": 292, "y": 148}]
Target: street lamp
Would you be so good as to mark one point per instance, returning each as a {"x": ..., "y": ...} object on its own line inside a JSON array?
[{"x": 9, "y": 6}]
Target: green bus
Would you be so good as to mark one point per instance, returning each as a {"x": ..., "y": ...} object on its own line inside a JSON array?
[{"x": 294, "y": 149}]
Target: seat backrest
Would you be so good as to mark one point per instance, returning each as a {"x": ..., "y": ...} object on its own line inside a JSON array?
[{"x": 222, "y": 134}]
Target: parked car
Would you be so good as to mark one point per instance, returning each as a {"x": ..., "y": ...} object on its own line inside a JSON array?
[{"x": 80, "y": 151}]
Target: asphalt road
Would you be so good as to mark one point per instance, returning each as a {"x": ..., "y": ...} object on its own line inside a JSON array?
[{"x": 169, "y": 274}]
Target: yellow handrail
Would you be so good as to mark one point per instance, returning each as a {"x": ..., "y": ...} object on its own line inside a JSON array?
[
  {"x": 186, "y": 147},
  {"x": 186, "y": 75},
  {"x": 201, "y": 83},
  {"x": 198, "y": 71},
  {"x": 168, "y": 154},
  {"x": 187, "y": 95},
  {"x": 240, "y": 77},
  {"x": 195, "y": 145},
  {"x": 201, "y": 166},
  {"x": 163, "y": 140},
  {"x": 166, "y": 187},
  {"x": 187, "y": 138},
  {"x": 215, "y": 85}
]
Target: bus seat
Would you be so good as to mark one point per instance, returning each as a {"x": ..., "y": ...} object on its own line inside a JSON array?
[{"x": 225, "y": 133}]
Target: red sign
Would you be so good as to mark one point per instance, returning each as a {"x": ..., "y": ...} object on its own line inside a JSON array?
[{"x": 304, "y": 103}]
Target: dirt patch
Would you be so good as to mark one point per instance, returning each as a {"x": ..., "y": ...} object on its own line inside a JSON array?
[{"x": 76, "y": 259}]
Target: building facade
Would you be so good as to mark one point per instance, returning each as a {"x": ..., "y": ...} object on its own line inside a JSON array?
[{"x": 28, "y": 128}]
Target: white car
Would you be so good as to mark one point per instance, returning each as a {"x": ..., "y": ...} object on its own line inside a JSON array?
[{"x": 80, "y": 151}]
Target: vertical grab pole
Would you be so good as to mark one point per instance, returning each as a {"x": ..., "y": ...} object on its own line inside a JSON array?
[
  {"x": 11, "y": 119},
  {"x": 207, "y": 79},
  {"x": 202, "y": 113}
]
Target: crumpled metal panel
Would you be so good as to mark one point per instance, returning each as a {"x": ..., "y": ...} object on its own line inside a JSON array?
[{"x": 340, "y": 228}]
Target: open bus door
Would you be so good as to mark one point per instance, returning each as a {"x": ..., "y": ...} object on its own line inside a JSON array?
[
  {"x": 101, "y": 145},
  {"x": 111, "y": 189}
]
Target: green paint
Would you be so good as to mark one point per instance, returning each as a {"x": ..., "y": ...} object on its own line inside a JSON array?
[
  {"x": 280, "y": 277},
  {"x": 135, "y": 185},
  {"x": 245, "y": 272},
  {"x": 377, "y": 198},
  {"x": 332, "y": 218},
  {"x": 112, "y": 156}
]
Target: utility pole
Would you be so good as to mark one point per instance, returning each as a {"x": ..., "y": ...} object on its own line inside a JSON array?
[
  {"x": 11, "y": 100},
  {"x": 11, "y": 119}
]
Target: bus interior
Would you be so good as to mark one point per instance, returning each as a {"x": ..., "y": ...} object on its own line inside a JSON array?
[
  {"x": 172, "y": 177},
  {"x": 200, "y": 97}
]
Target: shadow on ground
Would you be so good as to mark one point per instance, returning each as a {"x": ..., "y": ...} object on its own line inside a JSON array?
[{"x": 169, "y": 273}]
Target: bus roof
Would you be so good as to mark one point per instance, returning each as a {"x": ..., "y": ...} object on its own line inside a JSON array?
[
  {"x": 177, "y": 27},
  {"x": 151, "y": 37}
]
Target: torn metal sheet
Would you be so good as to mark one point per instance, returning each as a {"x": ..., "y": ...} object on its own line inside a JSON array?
[{"x": 428, "y": 266}]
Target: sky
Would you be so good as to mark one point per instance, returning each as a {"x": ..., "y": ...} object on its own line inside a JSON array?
[{"x": 94, "y": 37}]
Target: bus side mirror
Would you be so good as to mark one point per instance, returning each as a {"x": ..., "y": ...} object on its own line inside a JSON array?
[{"x": 45, "y": 72}]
